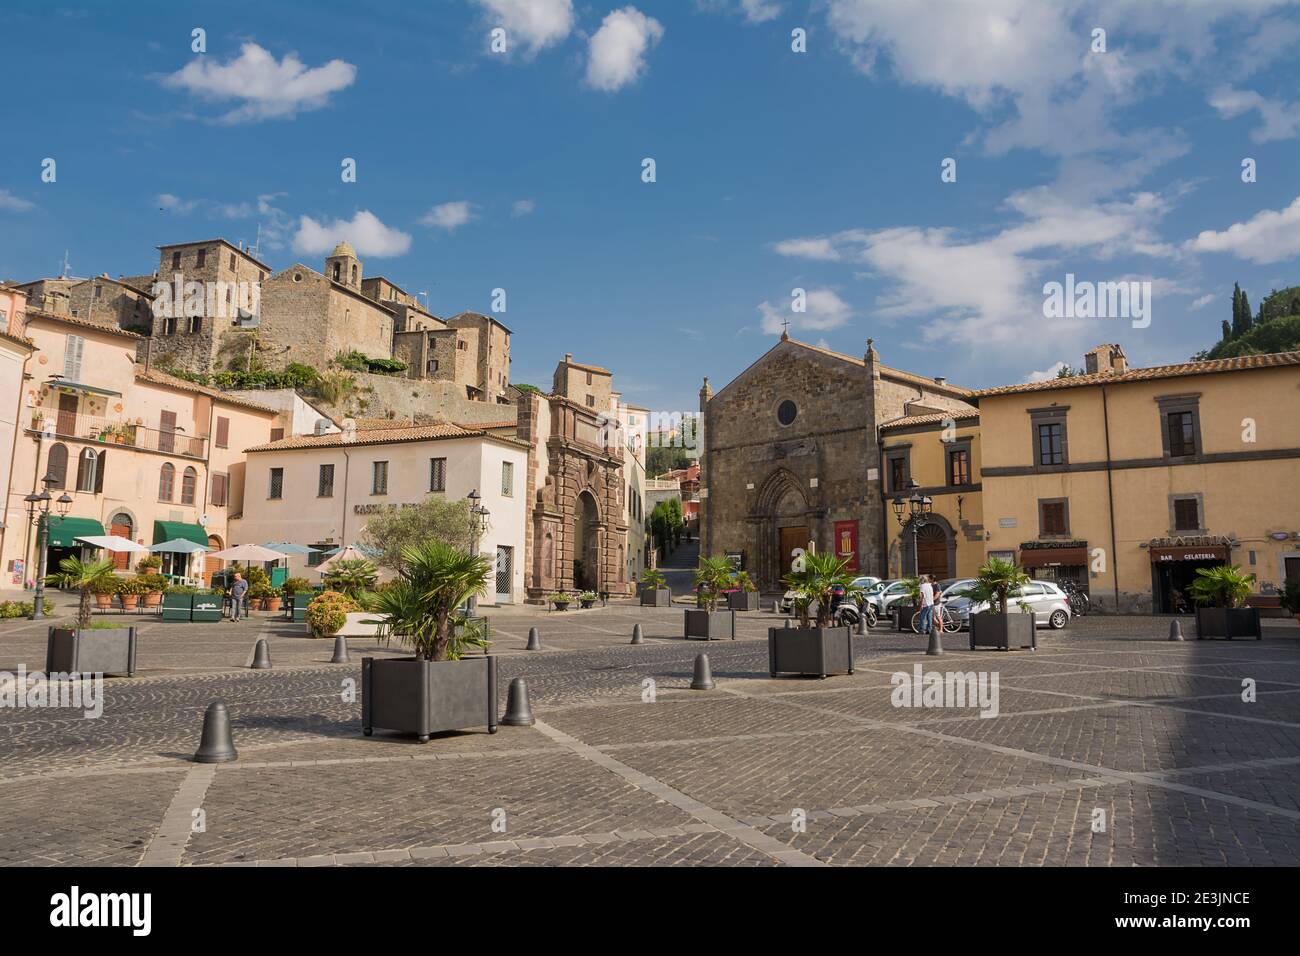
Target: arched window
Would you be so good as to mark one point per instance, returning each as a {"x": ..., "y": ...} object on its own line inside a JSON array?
[
  {"x": 354, "y": 273},
  {"x": 336, "y": 271},
  {"x": 166, "y": 482},
  {"x": 189, "y": 481},
  {"x": 90, "y": 471},
  {"x": 57, "y": 466}
]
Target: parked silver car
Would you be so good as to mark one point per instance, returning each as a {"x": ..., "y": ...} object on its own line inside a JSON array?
[{"x": 1043, "y": 599}]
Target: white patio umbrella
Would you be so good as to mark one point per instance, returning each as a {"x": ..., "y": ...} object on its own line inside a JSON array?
[
  {"x": 111, "y": 542},
  {"x": 350, "y": 553},
  {"x": 247, "y": 553}
]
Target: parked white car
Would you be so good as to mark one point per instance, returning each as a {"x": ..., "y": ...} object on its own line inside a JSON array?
[{"x": 1043, "y": 599}]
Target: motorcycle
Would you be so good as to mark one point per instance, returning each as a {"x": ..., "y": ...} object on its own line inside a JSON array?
[{"x": 848, "y": 614}]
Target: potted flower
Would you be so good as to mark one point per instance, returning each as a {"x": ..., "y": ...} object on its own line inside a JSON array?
[
  {"x": 128, "y": 592},
  {"x": 1291, "y": 597},
  {"x": 439, "y": 688},
  {"x": 258, "y": 594},
  {"x": 297, "y": 594},
  {"x": 81, "y": 649},
  {"x": 1219, "y": 593},
  {"x": 149, "y": 565},
  {"x": 560, "y": 600},
  {"x": 272, "y": 599},
  {"x": 707, "y": 622},
  {"x": 745, "y": 597},
  {"x": 998, "y": 581},
  {"x": 822, "y": 648},
  {"x": 587, "y": 599},
  {"x": 153, "y": 586},
  {"x": 103, "y": 589},
  {"x": 654, "y": 589}
]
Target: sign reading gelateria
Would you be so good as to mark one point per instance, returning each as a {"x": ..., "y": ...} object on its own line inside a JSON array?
[{"x": 1190, "y": 548}]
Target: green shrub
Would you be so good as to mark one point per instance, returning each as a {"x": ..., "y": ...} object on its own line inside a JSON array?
[
  {"x": 153, "y": 582},
  {"x": 149, "y": 564},
  {"x": 328, "y": 611},
  {"x": 294, "y": 586}
]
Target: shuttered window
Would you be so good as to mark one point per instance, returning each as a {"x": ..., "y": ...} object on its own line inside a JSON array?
[
  {"x": 379, "y": 478},
  {"x": 277, "y": 483},
  {"x": 57, "y": 466},
  {"x": 189, "y": 485},
  {"x": 219, "y": 486},
  {"x": 508, "y": 479},
  {"x": 437, "y": 474},
  {"x": 223, "y": 432},
  {"x": 325, "y": 488},
  {"x": 72, "y": 352},
  {"x": 166, "y": 482}
]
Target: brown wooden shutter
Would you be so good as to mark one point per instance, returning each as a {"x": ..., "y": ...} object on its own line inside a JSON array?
[
  {"x": 223, "y": 432},
  {"x": 167, "y": 431},
  {"x": 277, "y": 434},
  {"x": 99, "y": 472}
]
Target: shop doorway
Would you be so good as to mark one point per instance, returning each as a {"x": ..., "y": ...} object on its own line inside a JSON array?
[
  {"x": 792, "y": 539},
  {"x": 1171, "y": 583}
]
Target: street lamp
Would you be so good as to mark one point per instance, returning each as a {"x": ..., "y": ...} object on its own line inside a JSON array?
[
  {"x": 478, "y": 522},
  {"x": 917, "y": 508},
  {"x": 38, "y": 510}
]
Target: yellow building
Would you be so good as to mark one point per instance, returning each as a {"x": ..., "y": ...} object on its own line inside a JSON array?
[
  {"x": 941, "y": 453},
  {"x": 1128, "y": 480}
]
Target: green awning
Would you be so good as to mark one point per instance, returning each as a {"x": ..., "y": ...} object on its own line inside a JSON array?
[
  {"x": 63, "y": 532},
  {"x": 167, "y": 530}
]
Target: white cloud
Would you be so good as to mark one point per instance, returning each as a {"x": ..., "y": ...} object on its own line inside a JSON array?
[
  {"x": 825, "y": 310},
  {"x": 822, "y": 249},
  {"x": 266, "y": 89},
  {"x": 535, "y": 23},
  {"x": 760, "y": 11},
  {"x": 616, "y": 53},
  {"x": 182, "y": 207},
  {"x": 1203, "y": 301},
  {"x": 1280, "y": 120},
  {"x": 522, "y": 207},
  {"x": 11, "y": 203},
  {"x": 1268, "y": 236},
  {"x": 364, "y": 231},
  {"x": 449, "y": 215},
  {"x": 1046, "y": 375}
]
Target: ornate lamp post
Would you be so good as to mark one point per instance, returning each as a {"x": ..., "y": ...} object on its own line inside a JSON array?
[
  {"x": 478, "y": 516},
  {"x": 917, "y": 509},
  {"x": 38, "y": 510}
]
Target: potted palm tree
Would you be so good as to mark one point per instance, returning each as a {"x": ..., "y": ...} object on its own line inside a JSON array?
[
  {"x": 1291, "y": 597},
  {"x": 707, "y": 622},
  {"x": 998, "y": 582},
  {"x": 654, "y": 589},
  {"x": 81, "y": 649},
  {"x": 816, "y": 646},
  {"x": 352, "y": 576},
  {"x": 1219, "y": 593},
  {"x": 745, "y": 597},
  {"x": 439, "y": 688},
  {"x": 907, "y": 608}
]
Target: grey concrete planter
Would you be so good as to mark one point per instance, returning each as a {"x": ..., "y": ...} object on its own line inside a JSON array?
[
  {"x": 743, "y": 600},
  {"x": 419, "y": 697},
  {"x": 903, "y": 616},
  {"x": 817, "y": 651},
  {"x": 656, "y": 597},
  {"x": 1004, "y": 631},
  {"x": 711, "y": 625},
  {"x": 101, "y": 651},
  {"x": 1225, "y": 623}
]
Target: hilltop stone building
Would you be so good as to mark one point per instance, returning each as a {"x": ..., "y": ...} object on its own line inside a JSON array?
[{"x": 792, "y": 456}]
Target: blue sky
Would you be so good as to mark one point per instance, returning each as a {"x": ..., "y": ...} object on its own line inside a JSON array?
[{"x": 775, "y": 170}]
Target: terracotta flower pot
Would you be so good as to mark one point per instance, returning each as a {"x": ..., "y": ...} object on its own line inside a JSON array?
[
  {"x": 129, "y": 601},
  {"x": 273, "y": 604},
  {"x": 104, "y": 601},
  {"x": 153, "y": 599}
]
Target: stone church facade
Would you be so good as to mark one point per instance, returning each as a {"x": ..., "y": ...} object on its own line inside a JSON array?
[{"x": 792, "y": 456}]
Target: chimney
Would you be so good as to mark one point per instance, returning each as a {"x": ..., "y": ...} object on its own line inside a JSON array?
[
  {"x": 940, "y": 380},
  {"x": 568, "y": 357},
  {"x": 1105, "y": 358}
]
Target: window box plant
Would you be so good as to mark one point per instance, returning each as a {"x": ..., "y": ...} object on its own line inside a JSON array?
[
  {"x": 996, "y": 627},
  {"x": 1219, "y": 594},
  {"x": 816, "y": 646},
  {"x": 83, "y": 649},
  {"x": 439, "y": 688},
  {"x": 745, "y": 598},
  {"x": 654, "y": 589},
  {"x": 707, "y": 622}
]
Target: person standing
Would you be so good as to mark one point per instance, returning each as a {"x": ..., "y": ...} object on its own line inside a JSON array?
[
  {"x": 237, "y": 591},
  {"x": 927, "y": 604}
]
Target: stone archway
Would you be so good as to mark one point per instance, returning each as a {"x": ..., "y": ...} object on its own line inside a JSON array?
[
  {"x": 936, "y": 546},
  {"x": 783, "y": 519},
  {"x": 586, "y": 543}
]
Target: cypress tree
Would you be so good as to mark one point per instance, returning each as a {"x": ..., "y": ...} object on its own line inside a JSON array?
[{"x": 1246, "y": 318}]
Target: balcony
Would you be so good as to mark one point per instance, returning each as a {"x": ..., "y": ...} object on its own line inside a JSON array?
[{"x": 104, "y": 431}]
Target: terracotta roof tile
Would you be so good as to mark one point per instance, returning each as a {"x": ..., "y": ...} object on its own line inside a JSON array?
[
  {"x": 83, "y": 323},
  {"x": 184, "y": 385},
  {"x": 936, "y": 418},
  {"x": 1239, "y": 363},
  {"x": 381, "y": 436}
]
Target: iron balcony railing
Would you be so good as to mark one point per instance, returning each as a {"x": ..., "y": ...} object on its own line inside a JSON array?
[{"x": 107, "y": 432}]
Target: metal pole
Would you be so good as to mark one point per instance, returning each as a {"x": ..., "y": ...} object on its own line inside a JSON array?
[
  {"x": 42, "y": 536},
  {"x": 471, "y": 605}
]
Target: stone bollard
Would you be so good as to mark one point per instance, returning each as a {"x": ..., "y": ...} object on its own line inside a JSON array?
[
  {"x": 261, "y": 656},
  {"x": 862, "y": 624},
  {"x": 703, "y": 679},
  {"x": 340, "y": 650},
  {"x": 518, "y": 711},
  {"x": 1175, "y": 631},
  {"x": 216, "y": 744},
  {"x": 534, "y": 640},
  {"x": 637, "y": 636}
]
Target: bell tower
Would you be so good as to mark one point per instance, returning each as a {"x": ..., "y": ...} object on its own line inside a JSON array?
[{"x": 343, "y": 266}]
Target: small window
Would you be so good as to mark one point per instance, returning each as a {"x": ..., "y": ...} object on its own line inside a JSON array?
[
  {"x": 201, "y": 259},
  {"x": 176, "y": 260},
  {"x": 277, "y": 484},
  {"x": 959, "y": 466},
  {"x": 196, "y": 324},
  {"x": 88, "y": 479},
  {"x": 277, "y": 434},
  {"x": 379, "y": 478},
  {"x": 1052, "y": 518},
  {"x": 223, "y": 432},
  {"x": 73, "y": 348},
  {"x": 1187, "y": 514},
  {"x": 337, "y": 273},
  {"x": 588, "y": 378},
  {"x": 169, "y": 325},
  {"x": 431, "y": 365},
  {"x": 508, "y": 479},
  {"x": 219, "y": 485},
  {"x": 189, "y": 483},
  {"x": 898, "y": 472},
  {"x": 1182, "y": 434},
  {"x": 232, "y": 262},
  {"x": 437, "y": 474},
  {"x": 99, "y": 292},
  {"x": 319, "y": 551},
  {"x": 591, "y": 401},
  {"x": 1051, "y": 444},
  {"x": 787, "y": 412},
  {"x": 56, "y": 466},
  {"x": 325, "y": 486},
  {"x": 166, "y": 482}
]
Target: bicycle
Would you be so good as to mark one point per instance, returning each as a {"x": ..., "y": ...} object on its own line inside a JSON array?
[
  {"x": 1080, "y": 603},
  {"x": 951, "y": 622}
]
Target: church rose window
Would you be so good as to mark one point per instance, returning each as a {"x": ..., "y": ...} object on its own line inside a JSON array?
[{"x": 786, "y": 412}]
